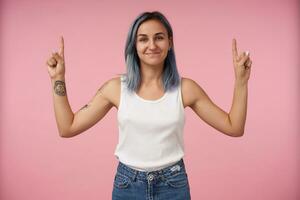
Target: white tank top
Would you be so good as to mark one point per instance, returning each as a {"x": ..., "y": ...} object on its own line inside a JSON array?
[{"x": 150, "y": 131}]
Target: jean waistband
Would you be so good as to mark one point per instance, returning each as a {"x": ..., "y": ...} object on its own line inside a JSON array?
[{"x": 178, "y": 167}]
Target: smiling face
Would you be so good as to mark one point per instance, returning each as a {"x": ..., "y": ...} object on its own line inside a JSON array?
[{"x": 152, "y": 43}]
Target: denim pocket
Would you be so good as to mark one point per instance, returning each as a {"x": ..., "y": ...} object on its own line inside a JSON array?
[
  {"x": 121, "y": 181},
  {"x": 177, "y": 180}
]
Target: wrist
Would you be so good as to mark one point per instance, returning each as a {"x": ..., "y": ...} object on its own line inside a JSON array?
[
  {"x": 58, "y": 78},
  {"x": 240, "y": 83}
]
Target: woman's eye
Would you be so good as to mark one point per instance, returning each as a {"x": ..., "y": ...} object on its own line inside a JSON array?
[{"x": 145, "y": 39}]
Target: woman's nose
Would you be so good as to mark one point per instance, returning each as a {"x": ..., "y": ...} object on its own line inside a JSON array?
[{"x": 152, "y": 44}]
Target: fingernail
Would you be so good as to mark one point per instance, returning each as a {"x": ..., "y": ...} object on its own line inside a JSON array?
[{"x": 247, "y": 53}]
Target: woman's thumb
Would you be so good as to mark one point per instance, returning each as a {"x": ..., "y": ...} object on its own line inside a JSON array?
[{"x": 57, "y": 57}]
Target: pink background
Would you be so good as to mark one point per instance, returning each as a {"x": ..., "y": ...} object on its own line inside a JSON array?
[{"x": 37, "y": 164}]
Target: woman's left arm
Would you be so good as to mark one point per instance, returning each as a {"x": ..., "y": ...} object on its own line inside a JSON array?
[
  {"x": 242, "y": 68},
  {"x": 231, "y": 123},
  {"x": 238, "y": 111}
]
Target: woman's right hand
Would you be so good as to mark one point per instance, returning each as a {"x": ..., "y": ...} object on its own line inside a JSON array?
[{"x": 56, "y": 63}]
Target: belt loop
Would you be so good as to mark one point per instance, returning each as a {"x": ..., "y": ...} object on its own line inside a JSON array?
[{"x": 135, "y": 175}]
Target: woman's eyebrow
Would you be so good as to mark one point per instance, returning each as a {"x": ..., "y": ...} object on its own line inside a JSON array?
[{"x": 154, "y": 34}]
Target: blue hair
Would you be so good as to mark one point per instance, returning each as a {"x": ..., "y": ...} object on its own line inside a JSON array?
[{"x": 170, "y": 77}]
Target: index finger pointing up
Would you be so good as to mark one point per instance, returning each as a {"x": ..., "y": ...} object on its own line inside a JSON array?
[
  {"x": 61, "y": 51},
  {"x": 234, "y": 49}
]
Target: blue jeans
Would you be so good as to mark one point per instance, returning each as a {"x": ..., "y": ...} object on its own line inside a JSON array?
[{"x": 165, "y": 184}]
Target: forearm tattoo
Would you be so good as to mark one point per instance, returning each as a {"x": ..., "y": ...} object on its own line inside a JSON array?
[{"x": 60, "y": 88}]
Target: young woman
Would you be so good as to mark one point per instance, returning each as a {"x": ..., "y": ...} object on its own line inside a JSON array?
[{"x": 150, "y": 98}]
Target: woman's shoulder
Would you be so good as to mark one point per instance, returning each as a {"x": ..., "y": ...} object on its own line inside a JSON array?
[
  {"x": 115, "y": 81},
  {"x": 111, "y": 89},
  {"x": 190, "y": 90},
  {"x": 188, "y": 83},
  {"x": 112, "y": 83}
]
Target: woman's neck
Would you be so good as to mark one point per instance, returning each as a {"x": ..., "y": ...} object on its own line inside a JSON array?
[{"x": 151, "y": 75}]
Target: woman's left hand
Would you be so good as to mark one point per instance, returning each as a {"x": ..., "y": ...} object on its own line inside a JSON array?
[{"x": 242, "y": 64}]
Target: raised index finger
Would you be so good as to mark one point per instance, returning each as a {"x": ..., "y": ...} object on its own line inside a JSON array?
[
  {"x": 234, "y": 49},
  {"x": 61, "y": 50}
]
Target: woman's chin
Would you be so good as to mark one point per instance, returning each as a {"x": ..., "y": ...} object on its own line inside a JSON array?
[{"x": 154, "y": 63}]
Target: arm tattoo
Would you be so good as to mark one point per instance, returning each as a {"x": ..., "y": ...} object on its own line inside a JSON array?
[
  {"x": 60, "y": 88},
  {"x": 89, "y": 104},
  {"x": 84, "y": 107}
]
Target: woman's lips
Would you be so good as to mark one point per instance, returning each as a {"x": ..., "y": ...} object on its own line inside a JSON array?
[{"x": 152, "y": 54}]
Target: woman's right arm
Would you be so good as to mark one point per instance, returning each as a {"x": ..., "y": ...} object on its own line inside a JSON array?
[{"x": 68, "y": 123}]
